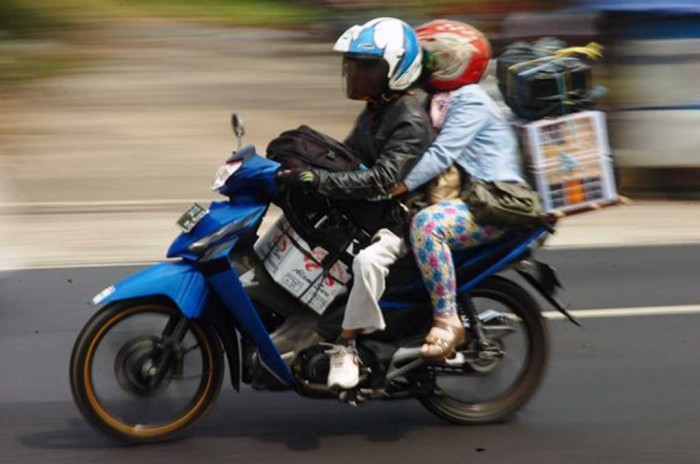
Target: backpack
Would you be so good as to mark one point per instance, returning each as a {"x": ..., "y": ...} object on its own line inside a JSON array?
[
  {"x": 305, "y": 148},
  {"x": 545, "y": 80}
]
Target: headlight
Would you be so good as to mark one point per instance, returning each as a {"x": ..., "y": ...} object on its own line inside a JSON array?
[
  {"x": 224, "y": 173},
  {"x": 229, "y": 229}
]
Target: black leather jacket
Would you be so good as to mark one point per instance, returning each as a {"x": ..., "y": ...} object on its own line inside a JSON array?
[{"x": 389, "y": 138}]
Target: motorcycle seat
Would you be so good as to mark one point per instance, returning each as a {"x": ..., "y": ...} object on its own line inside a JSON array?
[{"x": 405, "y": 282}]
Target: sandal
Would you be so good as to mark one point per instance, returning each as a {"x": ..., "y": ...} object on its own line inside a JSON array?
[{"x": 442, "y": 340}]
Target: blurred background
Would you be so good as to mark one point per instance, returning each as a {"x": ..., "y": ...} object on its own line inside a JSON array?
[{"x": 114, "y": 112}]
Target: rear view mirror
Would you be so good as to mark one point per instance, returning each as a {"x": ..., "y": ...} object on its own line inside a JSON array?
[
  {"x": 237, "y": 125},
  {"x": 238, "y": 129}
]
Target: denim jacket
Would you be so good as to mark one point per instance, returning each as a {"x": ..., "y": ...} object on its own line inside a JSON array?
[{"x": 476, "y": 136}]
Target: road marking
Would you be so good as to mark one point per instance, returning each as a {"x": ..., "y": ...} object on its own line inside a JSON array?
[
  {"x": 551, "y": 315},
  {"x": 48, "y": 267},
  {"x": 100, "y": 204},
  {"x": 626, "y": 312}
]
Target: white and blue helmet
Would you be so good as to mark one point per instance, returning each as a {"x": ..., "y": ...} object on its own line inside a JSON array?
[{"x": 391, "y": 40}]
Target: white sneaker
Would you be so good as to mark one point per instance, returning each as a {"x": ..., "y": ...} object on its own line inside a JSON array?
[{"x": 345, "y": 369}]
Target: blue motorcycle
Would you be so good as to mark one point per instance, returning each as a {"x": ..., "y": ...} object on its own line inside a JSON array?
[{"x": 150, "y": 362}]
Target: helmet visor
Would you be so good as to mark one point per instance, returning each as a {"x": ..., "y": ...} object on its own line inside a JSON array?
[{"x": 365, "y": 77}]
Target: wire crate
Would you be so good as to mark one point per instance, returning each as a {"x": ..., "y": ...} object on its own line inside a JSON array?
[{"x": 568, "y": 159}]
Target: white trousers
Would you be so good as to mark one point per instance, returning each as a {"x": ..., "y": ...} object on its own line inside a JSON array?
[{"x": 370, "y": 268}]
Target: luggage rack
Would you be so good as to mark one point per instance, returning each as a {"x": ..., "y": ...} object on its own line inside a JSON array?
[{"x": 596, "y": 206}]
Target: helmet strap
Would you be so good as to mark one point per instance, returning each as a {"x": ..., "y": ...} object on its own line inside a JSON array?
[
  {"x": 428, "y": 60},
  {"x": 385, "y": 99}
]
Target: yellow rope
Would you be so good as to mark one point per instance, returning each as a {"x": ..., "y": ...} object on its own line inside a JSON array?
[{"x": 592, "y": 51}]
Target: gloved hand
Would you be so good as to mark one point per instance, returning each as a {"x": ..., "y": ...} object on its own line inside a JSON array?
[
  {"x": 380, "y": 198},
  {"x": 299, "y": 179}
]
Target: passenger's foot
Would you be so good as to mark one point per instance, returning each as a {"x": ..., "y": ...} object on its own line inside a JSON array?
[
  {"x": 345, "y": 369},
  {"x": 444, "y": 337}
]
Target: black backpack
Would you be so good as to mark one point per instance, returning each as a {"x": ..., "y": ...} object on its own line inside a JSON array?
[{"x": 305, "y": 148}]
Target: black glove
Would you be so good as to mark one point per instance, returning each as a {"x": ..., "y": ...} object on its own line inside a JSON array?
[{"x": 299, "y": 179}]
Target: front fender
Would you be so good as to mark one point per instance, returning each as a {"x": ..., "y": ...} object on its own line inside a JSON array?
[{"x": 180, "y": 281}]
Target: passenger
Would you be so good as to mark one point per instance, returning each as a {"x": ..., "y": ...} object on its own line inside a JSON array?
[
  {"x": 381, "y": 60},
  {"x": 473, "y": 134}
]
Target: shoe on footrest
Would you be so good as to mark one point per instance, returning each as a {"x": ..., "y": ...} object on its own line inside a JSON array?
[{"x": 345, "y": 366}]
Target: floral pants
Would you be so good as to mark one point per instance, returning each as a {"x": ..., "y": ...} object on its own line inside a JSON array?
[{"x": 435, "y": 231}]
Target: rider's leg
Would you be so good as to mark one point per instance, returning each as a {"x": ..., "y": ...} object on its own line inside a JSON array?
[
  {"x": 362, "y": 313},
  {"x": 370, "y": 268},
  {"x": 434, "y": 231}
]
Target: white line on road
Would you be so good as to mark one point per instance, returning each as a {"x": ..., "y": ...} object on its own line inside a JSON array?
[
  {"x": 626, "y": 312},
  {"x": 552, "y": 315},
  {"x": 48, "y": 267}
]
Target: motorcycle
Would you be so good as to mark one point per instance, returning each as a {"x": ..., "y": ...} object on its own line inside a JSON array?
[{"x": 149, "y": 364}]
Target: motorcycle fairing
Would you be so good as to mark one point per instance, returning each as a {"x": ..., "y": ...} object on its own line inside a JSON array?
[
  {"x": 222, "y": 276},
  {"x": 256, "y": 174},
  {"x": 221, "y": 214},
  {"x": 180, "y": 281}
]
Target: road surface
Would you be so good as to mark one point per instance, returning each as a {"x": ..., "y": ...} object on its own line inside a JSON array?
[{"x": 623, "y": 389}]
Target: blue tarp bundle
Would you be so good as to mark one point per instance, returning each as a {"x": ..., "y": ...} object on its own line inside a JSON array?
[{"x": 644, "y": 6}]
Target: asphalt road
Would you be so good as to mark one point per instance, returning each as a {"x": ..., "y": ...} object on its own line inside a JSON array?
[{"x": 620, "y": 390}]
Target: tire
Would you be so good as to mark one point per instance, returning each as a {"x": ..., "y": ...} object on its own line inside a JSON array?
[
  {"x": 97, "y": 414},
  {"x": 505, "y": 405}
]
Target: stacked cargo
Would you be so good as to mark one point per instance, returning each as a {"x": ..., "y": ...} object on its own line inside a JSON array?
[{"x": 565, "y": 144}]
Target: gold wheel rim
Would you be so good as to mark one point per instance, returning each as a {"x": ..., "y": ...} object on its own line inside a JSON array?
[{"x": 137, "y": 430}]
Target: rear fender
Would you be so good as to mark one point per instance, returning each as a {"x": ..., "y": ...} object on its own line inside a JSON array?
[
  {"x": 180, "y": 281},
  {"x": 543, "y": 278}
]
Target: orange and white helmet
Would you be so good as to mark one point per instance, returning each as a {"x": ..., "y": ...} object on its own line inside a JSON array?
[{"x": 456, "y": 53}]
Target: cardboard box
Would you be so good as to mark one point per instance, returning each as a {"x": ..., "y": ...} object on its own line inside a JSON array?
[
  {"x": 569, "y": 160},
  {"x": 298, "y": 269}
]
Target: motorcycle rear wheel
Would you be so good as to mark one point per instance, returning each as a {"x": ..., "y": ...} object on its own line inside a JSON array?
[
  {"x": 505, "y": 405},
  {"x": 128, "y": 365}
]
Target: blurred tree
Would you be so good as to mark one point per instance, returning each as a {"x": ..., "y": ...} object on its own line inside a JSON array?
[{"x": 21, "y": 18}]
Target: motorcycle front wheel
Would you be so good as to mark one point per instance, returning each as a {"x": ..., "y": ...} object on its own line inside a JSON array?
[
  {"x": 133, "y": 379},
  {"x": 493, "y": 390}
]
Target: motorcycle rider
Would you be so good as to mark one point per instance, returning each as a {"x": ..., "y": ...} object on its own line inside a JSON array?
[
  {"x": 474, "y": 135},
  {"x": 381, "y": 60}
]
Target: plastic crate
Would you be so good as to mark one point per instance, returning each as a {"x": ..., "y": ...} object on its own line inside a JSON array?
[{"x": 568, "y": 159}]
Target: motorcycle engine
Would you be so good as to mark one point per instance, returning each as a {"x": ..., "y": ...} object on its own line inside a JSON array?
[{"x": 312, "y": 365}]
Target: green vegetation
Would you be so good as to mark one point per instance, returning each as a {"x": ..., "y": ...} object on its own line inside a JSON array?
[
  {"x": 27, "y": 24},
  {"x": 27, "y": 17},
  {"x": 239, "y": 12},
  {"x": 22, "y": 18},
  {"x": 36, "y": 35}
]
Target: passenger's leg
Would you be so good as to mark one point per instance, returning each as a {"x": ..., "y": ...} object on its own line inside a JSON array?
[{"x": 434, "y": 231}]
